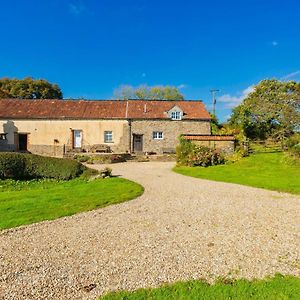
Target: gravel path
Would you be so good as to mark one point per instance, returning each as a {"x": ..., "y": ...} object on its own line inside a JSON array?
[{"x": 180, "y": 228}]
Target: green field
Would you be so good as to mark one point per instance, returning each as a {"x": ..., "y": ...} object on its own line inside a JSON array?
[
  {"x": 25, "y": 202},
  {"x": 263, "y": 170},
  {"x": 276, "y": 288}
]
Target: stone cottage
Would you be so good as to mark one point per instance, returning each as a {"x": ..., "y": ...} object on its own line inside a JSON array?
[{"x": 54, "y": 127}]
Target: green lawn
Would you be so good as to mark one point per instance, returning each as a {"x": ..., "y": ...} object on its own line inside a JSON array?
[
  {"x": 279, "y": 287},
  {"x": 33, "y": 201},
  {"x": 263, "y": 170}
]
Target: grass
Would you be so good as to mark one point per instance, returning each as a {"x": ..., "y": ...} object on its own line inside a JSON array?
[
  {"x": 264, "y": 170},
  {"x": 278, "y": 287},
  {"x": 26, "y": 202}
]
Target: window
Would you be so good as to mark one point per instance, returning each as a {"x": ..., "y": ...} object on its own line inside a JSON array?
[
  {"x": 158, "y": 135},
  {"x": 108, "y": 137},
  {"x": 3, "y": 136},
  {"x": 176, "y": 115}
]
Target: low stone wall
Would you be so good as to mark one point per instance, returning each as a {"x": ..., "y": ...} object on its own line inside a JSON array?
[
  {"x": 5, "y": 147},
  {"x": 226, "y": 147}
]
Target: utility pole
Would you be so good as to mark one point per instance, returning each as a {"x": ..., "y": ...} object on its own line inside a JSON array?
[{"x": 213, "y": 93}]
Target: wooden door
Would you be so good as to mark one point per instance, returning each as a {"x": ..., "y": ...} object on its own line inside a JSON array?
[
  {"x": 22, "y": 141},
  {"x": 137, "y": 143}
]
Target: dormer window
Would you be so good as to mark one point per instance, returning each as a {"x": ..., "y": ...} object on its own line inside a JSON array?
[{"x": 176, "y": 115}]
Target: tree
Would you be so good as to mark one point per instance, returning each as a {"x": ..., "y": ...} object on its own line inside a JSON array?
[
  {"x": 29, "y": 88},
  {"x": 271, "y": 110},
  {"x": 146, "y": 92}
]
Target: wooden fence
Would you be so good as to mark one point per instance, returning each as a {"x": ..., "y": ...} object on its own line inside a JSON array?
[{"x": 262, "y": 146}]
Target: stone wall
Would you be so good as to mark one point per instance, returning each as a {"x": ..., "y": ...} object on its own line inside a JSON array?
[
  {"x": 226, "y": 147},
  {"x": 6, "y": 147},
  {"x": 171, "y": 132}
]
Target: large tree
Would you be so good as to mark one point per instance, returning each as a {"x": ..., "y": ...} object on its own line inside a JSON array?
[
  {"x": 125, "y": 92},
  {"x": 29, "y": 88},
  {"x": 271, "y": 110}
]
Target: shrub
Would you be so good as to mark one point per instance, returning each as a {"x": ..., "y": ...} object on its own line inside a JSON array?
[
  {"x": 81, "y": 158},
  {"x": 293, "y": 145},
  {"x": 117, "y": 158},
  {"x": 183, "y": 151},
  {"x": 88, "y": 173},
  {"x": 29, "y": 166},
  {"x": 189, "y": 154},
  {"x": 106, "y": 172}
]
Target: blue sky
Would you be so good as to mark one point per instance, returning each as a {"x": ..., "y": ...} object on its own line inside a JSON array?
[{"x": 90, "y": 47}]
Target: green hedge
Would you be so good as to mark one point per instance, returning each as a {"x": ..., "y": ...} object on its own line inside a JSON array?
[{"x": 29, "y": 166}]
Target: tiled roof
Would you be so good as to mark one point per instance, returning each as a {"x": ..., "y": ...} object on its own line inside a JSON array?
[
  {"x": 98, "y": 109},
  {"x": 209, "y": 137}
]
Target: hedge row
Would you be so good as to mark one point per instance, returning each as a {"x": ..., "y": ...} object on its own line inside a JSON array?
[{"x": 30, "y": 166}]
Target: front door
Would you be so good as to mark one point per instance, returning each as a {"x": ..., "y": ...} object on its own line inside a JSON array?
[
  {"x": 77, "y": 138},
  {"x": 137, "y": 143},
  {"x": 22, "y": 141}
]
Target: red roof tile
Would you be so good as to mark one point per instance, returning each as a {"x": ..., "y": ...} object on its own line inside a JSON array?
[
  {"x": 210, "y": 137},
  {"x": 99, "y": 109}
]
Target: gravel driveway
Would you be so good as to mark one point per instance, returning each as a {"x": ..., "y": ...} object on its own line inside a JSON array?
[{"x": 180, "y": 228}]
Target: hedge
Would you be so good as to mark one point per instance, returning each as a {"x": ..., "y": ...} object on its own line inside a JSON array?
[{"x": 30, "y": 166}]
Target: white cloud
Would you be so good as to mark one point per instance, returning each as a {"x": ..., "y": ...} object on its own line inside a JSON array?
[
  {"x": 77, "y": 8},
  {"x": 232, "y": 101},
  {"x": 274, "y": 43},
  {"x": 291, "y": 75},
  {"x": 182, "y": 86}
]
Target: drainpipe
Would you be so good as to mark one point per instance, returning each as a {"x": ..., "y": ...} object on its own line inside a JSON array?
[
  {"x": 130, "y": 130},
  {"x": 129, "y": 125}
]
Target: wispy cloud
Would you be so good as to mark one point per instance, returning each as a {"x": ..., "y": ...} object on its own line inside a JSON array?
[
  {"x": 77, "y": 8},
  {"x": 182, "y": 86},
  {"x": 232, "y": 101},
  {"x": 291, "y": 75}
]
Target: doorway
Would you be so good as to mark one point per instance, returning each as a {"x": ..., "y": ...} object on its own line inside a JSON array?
[
  {"x": 137, "y": 143},
  {"x": 77, "y": 138},
  {"x": 23, "y": 141}
]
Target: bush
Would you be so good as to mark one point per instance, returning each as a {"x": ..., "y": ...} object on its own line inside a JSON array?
[
  {"x": 189, "y": 154},
  {"x": 81, "y": 158},
  {"x": 106, "y": 172},
  {"x": 88, "y": 173},
  {"x": 293, "y": 145},
  {"x": 183, "y": 151},
  {"x": 30, "y": 166}
]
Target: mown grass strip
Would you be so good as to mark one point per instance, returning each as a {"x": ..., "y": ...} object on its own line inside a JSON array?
[
  {"x": 263, "y": 170},
  {"x": 51, "y": 200},
  {"x": 276, "y": 288}
]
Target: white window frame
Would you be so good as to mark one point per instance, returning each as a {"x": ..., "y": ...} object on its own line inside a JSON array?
[
  {"x": 108, "y": 136},
  {"x": 176, "y": 115},
  {"x": 157, "y": 135}
]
